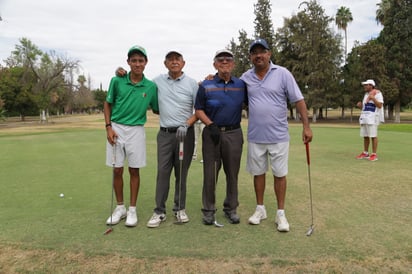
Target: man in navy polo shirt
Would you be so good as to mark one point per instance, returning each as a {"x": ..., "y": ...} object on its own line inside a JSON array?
[{"x": 219, "y": 104}]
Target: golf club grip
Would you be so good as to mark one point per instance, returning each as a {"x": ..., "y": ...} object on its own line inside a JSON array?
[
  {"x": 307, "y": 153},
  {"x": 181, "y": 151}
]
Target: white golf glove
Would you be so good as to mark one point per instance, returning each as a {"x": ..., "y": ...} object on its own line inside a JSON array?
[{"x": 181, "y": 133}]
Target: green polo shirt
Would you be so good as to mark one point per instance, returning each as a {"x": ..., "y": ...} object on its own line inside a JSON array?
[{"x": 130, "y": 101}]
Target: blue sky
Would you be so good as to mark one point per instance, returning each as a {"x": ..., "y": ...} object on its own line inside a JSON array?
[{"x": 99, "y": 33}]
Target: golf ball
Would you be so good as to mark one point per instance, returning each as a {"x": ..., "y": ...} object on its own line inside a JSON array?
[{"x": 61, "y": 195}]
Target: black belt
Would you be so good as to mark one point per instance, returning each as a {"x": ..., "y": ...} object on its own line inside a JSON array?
[
  {"x": 228, "y": 128},
  {"x": 170, "y": 129}
]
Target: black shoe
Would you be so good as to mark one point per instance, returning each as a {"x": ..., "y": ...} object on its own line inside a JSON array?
[
  {"x": 232, "y": 217},
  {"x": 208, "y": 219}
]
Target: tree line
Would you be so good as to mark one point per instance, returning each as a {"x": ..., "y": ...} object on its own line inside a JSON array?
[
  {"x": 34, "y": 82},
  {"x": 328, "y": 76}
]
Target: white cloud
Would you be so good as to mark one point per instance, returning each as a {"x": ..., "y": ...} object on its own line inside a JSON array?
[{"x": 99, "y": 33}]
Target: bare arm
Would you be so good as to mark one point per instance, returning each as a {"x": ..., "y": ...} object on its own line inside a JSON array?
[
  {"x": 203, "y": 117},
  {"x": 307, "y": 134},
  {"x": 192, "y": 120},
  {"x": 111, "y": 134}
]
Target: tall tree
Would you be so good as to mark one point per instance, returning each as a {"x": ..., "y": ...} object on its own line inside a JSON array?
[
  {"x": 263, "y": 24},
  {"x": 396, "y": 36},
  {"x": 309, "y": 48},
  {"x": 241, "y": 53},
  {"x": 48, "y": 68},
  {"x": 342, "y": 19},
  {"x": 16, "y": 92},
  {"x": 383, "y": 8},
  {"x": 367, "y": 61}
]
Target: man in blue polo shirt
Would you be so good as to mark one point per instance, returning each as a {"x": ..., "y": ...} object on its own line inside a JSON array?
[{"x": 219, "y": 104}]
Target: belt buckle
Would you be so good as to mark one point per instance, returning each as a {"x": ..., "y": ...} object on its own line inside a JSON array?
[{"x": 223, "y": 129}]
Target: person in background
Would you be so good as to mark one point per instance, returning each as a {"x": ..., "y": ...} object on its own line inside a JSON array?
[
  {"x": 125, "y": 111},
  {"x": 370, "y": 118},
  {"x": 176, "y": 95},
  {"x": 269, "y": 88},
  {"x": 219, "y": 104}
]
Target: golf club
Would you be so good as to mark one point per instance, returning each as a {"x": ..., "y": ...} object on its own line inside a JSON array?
[
  {"x": 179, "y": 219},
  {"x": 312, "y": 226},
  {"x": 216, "y": 223},
  {"x": 110, "y": 229}
]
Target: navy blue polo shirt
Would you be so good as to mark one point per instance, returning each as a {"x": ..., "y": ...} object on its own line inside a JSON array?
[{"x": 222, "y": 102}]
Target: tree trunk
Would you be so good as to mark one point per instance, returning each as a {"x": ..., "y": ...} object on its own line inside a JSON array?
[
  {"x": 291, "y": 113},
  {"x": 314, "y": 116},
  {"x": 398, "y": 111}
]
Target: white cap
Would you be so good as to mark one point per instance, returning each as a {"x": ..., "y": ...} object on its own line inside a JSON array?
[
  {"x": 369, "y": 82},
  {"x": 223, "y": 51},
  {"x": 177, "y": 52}
]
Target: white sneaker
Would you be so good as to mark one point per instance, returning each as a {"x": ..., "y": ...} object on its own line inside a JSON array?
[
  {"x": 156, "y": 219},
  {"x": 260, "y": 214},
  {"x": 131, "y": 219},
  {"x": 182, "y": 216},
  {"x": 282, "y": 223},
  {"x": 118, "y": 214}
]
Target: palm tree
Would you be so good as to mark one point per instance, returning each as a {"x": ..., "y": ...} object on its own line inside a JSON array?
[
  {"x": 383, "y": 8},
  {"x": 343, "y": 17}
]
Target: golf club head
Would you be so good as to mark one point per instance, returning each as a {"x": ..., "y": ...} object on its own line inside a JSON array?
[
  {"x": 108, "y": 231},
  {"x": 217, "y": 224},
  {"x": 310, "y": 231}
]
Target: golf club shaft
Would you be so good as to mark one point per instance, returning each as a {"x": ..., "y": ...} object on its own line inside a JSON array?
[
  {"x": 310, "y": 182},
  {"x": 112, "y": 188},
  {"x": 181, "y": 145},
  {"x": 216, "y": 222}
]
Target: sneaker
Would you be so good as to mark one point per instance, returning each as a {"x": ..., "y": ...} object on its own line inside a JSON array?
[
  {"x": 208, "y": 219},
  {"x": 181, "y": 216},
  {"x": 194, "y": 157},
  {"x": 282, "y": 223},
  {"x": 260, "y": 214},
  {"x": 131, "y": 219},
  {"x": 118, "y": 214},
  {"x": 156, "y": 219},
  {"x": 232, "y": 217},
  {"x": 363, "y": 155},
  {"x": 373, "y": 157},
  {"x": 201, "y": 161}
]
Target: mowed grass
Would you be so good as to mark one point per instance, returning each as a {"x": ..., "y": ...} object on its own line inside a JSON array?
[{"x": 362, "y": 210}]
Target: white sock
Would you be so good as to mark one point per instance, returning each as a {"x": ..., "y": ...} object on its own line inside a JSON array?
[
  {"x": 281, "y": 212},
  {"x": 366, "y": 152},
  {"x": 260, "y": 207},
  {"x": 132, "y": 208},
  {"x": 120, "y": 206}
]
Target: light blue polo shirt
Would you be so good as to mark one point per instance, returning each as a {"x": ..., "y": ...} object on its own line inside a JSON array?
[
  {"x": 268, "y": 110},
  {"x": 176, "y": 99}
]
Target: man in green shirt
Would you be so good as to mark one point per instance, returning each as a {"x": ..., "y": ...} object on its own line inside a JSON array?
[{"x": 125, "y": 111}]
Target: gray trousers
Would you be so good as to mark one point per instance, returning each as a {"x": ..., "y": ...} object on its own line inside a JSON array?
[
  {"x": 167, "y": 160},
  {"x": 227, "y": 153}
]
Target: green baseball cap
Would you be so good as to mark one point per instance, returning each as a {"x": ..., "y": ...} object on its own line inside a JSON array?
[{"x": 135, "y": 49}]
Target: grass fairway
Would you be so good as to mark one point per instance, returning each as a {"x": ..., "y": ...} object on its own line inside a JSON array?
[{"x": 362, "y": 210}]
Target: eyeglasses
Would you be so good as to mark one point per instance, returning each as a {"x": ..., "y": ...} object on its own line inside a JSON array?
[{"x": 224, "y": 58}]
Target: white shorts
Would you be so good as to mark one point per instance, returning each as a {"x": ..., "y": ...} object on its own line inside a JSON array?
[
  {"x": 369, "y": 130},
  {"x": 258, "y": 156},
  {"x": 130, "y": 144}
]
